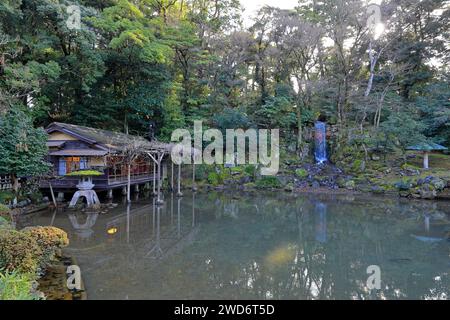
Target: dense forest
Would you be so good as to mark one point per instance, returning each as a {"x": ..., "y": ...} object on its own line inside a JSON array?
[{"x": 132, "y": 63}]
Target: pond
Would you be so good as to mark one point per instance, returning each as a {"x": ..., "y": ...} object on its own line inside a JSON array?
[{"x": 261, "y": 246}]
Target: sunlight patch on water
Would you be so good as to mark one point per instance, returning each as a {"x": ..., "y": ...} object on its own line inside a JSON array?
[{"x": 280, "y": 256}]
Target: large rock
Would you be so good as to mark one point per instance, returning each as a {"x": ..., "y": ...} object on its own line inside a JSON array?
[
  {"x": 350, "y": 185},
  {"x": 444, "y": 195},
  {"x": 377, "y": 190},
  {"x": 438, "y": 183},
  {"x": 427, "y": 194}
]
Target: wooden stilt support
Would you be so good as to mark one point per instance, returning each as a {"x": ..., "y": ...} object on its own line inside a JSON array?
[
  {"x": 194, "y": 185},
  {"x": 55, "y": 203},
  {"x": 179, "y": 193},
  {"x": 154, "y": 176},
  {"x": 172, "y": 187}
]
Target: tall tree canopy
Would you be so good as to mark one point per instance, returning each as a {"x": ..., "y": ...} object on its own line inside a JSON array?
[{"x": 169, "y": 62}]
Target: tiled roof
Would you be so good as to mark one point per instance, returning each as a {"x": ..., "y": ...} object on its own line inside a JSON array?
[
  {"x": 109, "y": 139},
  {"x": 79, "y": 153}
]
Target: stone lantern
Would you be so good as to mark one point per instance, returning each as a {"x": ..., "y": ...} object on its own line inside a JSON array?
[{"x": 85, "y": 188}]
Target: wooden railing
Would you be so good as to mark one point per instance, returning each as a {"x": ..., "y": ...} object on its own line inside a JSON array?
[{"x": 112, "y": 179}]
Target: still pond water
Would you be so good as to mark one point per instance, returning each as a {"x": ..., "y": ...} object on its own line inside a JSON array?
[{"x": 261, "y": 246}]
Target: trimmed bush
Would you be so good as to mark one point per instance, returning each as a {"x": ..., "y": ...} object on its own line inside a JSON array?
[
  {"x": 19, "y": 252},
  {"x": 48, "y": 237},
  {"x": 16, "y": 286},
  {"x": 84, "y": 173},
  {"x": 29, "y": 249}
]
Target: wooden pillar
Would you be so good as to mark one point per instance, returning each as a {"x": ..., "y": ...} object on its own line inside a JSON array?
[
  {"x": 172, "y": 187},
  {"x": 154, "y": 178},
  {"x": 136, "y": 188},
  {"x": 109, "y": 194},
  {"x": 194, "y": 186},
  {"x": 179, "y": 194},
  {"x": 159, "y": 201},
  {"x": 193, "y": 209},
  {"x": 179, "y": 218},
  {"x": 171, "y": 208},
  {"x": 124, "y": 190},
  {"x": 128, "y": 223},
  {"x": 425, "y": 160}
]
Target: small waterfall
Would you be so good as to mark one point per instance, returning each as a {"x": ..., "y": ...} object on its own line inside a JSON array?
[{"x": 320, "y": 142}]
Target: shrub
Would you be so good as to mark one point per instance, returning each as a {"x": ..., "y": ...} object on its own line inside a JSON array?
[
  {"x": 36, "y": 197},
  {"x": 301, "y": 173},
  {"x": 250, "y": 170},
  {"x": 202, "y": 171},
  {"x": 48, "y": 237},
  {"x": 267, "y": 182},
  {"x": 5, "y": 212},
  {"x": 16, "y": 286},
  {"x": 6, "y": 197},
  {"x": 84, "y": 173},
  {"x": 19, "y": 251},
  {"x": 5, "y": 224},
  {"x": 214, "y": 179}
]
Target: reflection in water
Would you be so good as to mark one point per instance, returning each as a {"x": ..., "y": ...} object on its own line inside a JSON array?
[
  {"x": 84, "y": 231},
  {"x": 321, "y": 222},
  {"x": 261, "y": 247}
]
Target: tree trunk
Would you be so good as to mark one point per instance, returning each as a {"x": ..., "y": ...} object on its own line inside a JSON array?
[
  {"x": 15, "y": 186},
  {"x": 299, "y": 127}
]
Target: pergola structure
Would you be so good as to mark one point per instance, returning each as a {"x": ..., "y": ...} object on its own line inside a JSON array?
[{"x": 157, "y": 153}]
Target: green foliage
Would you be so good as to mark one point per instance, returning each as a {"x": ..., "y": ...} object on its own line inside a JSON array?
[
  {"x": 202, "y": 171},
  {"x": 214, "y": 179},
  {"x": 250, "y": 170},
  {"x": 231, "y": 119},
  {"x": 6, "y": 197},
  {"x": 48, "y": 239},
  {"x": 5, "y": 223},
  {"x": 217, "y": 178},
  {"x": 35, "y": 197},
  {"x": 268, "y": 182},
  {"x": 401, "y": 130},
  {"x": 170, "y": 62},
  {"x": 16, "y": 286},
  {"x": 277, "y": 112},
  {"x": 30, "y": 249},
  {"x": 434, "y": 107},
  {"x": 85, "y": 173},
  {"x": 22, "y": 147},
  {"x": 301, "y": 173},
  {"x": 19, "y": 251},
  {"x": 4, "y": 210}
]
